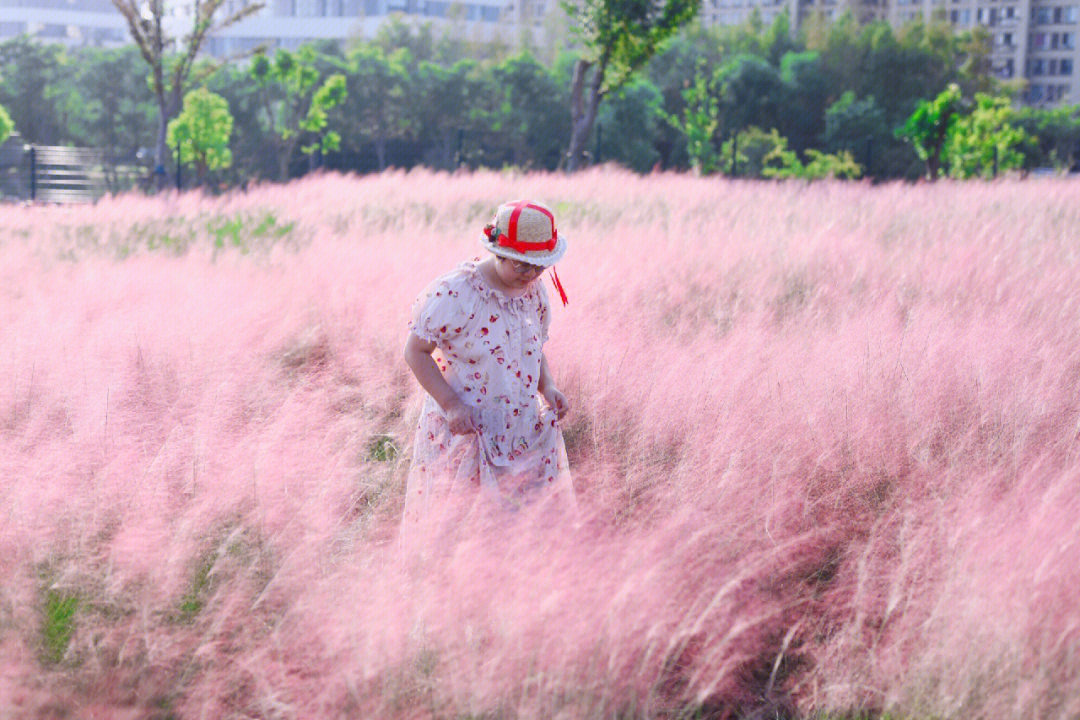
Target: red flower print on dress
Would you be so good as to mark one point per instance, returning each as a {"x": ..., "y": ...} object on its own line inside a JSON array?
[{"x": 493, "y": 318}]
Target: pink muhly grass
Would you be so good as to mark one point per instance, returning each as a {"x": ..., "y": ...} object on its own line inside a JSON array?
[{"x": 824, "y": 437}]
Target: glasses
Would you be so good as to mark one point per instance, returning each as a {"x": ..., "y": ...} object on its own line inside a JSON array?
[{"x": 523, "y": 268}]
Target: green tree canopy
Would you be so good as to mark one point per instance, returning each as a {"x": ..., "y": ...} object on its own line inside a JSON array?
[
  {"x": 984, "y": 140},
  {"x": 618, "y": 38},
  {"x": 200, "y": 133},
  {"x": 378, "y": 93},
  {"x": 35, "y": 87},
  {"x": 295, "y": 105},
  {"x": 927, "y": 129}
]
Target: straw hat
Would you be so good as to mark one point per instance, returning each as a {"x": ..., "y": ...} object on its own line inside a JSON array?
[{"x": 524, "y": 230}]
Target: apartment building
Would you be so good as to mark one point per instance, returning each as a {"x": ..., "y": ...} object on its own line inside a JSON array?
[
  {"x": 281, "y": 23},
  {"x": 1036, "y": 40},
  {"x": 291, "y": 23},
  {"x": 70, "y": 22}
]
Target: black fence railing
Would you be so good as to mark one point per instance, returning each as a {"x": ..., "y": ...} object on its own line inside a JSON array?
[{"x": 62, "y": 174}]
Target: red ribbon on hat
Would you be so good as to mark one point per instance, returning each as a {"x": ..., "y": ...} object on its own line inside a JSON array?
[
  {"x": 520, "y": 245},
  {"x": 558, "y": 286}
]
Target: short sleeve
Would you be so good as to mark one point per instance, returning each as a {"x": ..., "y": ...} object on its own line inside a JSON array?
[
  {"x": 544, "y": 311},
  {"x": 439, "y": 312}
]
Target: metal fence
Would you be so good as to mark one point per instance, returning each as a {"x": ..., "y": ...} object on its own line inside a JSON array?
[{"x": 62, "y": 174}]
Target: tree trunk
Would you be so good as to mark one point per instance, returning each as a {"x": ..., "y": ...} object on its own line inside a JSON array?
[
  {"x": 167, "y": 108},
  {"x": 161, "y": 150},
  {"x": 584, "y": 102},
  {"x": 380, "y": 151}
]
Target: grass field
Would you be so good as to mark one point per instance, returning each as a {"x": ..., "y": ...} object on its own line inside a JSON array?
[{"x": 826, "y": 438}]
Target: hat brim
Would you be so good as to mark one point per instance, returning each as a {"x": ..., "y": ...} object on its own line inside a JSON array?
[{"x": 546, "y": 259}]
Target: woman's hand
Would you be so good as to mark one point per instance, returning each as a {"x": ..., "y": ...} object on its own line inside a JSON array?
[
  {"x": 557, "y": 401},
  {"x": 460, "y": 418}
]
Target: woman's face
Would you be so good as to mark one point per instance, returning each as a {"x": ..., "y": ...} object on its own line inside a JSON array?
[{"x": 516, "y": 274}]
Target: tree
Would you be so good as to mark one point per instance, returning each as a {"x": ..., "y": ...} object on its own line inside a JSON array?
[
  {"x": 745, "y": 154},
  {"x": 295, "y": 105},
  {"x": 1057, "y": 135},
  {"x": 984, "y": 140},
  {"x": 200, "y": 133},
  {"x": 6, "y": 125},
  {"x": 751, "y": 93},
  {"x": 377, "y": 98},
  {"x": 629, "y": 118},
  {"x": 927, "y": 129},
  {"x": 119, "y": 108},
  {"x": 857, "y": 126},
  {"x": 699, "y": 122},
  {"x": 806, "y": 97},
  {"x": 447, "y": 107},
  {"x": 33, "y": 85},
  {"x": 619, "y": 37},
  {"x": 171, "y": 60},
  {"x": 528, "y": 111}
]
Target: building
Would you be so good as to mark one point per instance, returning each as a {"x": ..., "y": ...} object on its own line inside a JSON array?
[
  {"x": 74, "y": 23},
  {"x": 1031, "y": 39},
  {"x": 280, "y": 23}
]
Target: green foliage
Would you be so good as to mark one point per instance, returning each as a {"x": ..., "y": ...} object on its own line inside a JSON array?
[
  {"x": 746, "y": 156},
  {"x": 6, "y": 125},
  {"x": 58, "y": 624},
  {"x": 699, "y": 122},
  {"x": 751, "y": 92},
  {"x": 1055, "y": 133},
  {"x": 618, "y": 37},
  {"x": 528, "y": 111},
  {"x": 382, "y": 448},
  {"x": 295, "y": 105},
  {"x": 200, "y": 133},
  {"x": 118, "y": 114},
  {"x": 928, "y": 128},
  {"x": 828, "y": 165},
  {"x": 766, "y": 154},
  {"x": 629, "y": 118},
  {"x": 412, "y": 97},
  {"x": 35, "y": 90},
  {"x": 376, "y": 104},
  {"x": 625, "y": 34},
  {"x": 984, "y": 140}
]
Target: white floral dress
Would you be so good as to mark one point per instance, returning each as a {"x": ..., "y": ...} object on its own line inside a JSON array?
[{"x": 489, "y": 348}]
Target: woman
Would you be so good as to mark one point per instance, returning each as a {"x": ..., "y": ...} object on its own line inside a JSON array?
[{"x": 489, "y": 428}]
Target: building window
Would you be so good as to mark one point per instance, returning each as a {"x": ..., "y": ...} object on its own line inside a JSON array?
[
  {"x": 1065, "y": 67},
  {"x": 1006, "y": 39},
  {"x": 8, "y": 29},
  {"x": 1037, "y": 41},
  {"x": 1041, "y": 15},
  {"x": 1069, "y": 15}
]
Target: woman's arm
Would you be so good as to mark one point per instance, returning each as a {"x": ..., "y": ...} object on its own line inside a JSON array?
[
  {"x": 546, "y": 386},
  {"x": 418, "y": 357}
]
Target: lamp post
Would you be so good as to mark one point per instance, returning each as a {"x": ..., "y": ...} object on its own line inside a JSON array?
[
  {"x": 33, "y": 170},
  {"x": 178, "y": 163}
]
